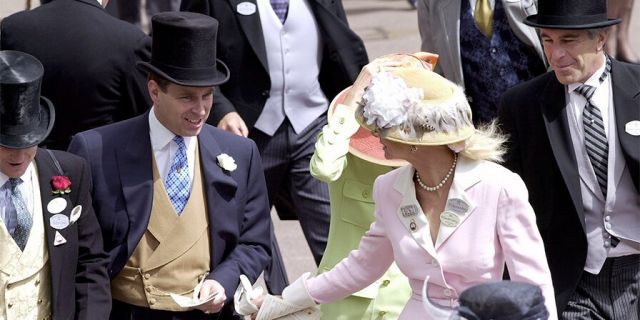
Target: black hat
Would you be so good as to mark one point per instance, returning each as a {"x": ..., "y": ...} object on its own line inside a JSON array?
[
  {"x": 26, "y": 119},
  {"x": 504, "y": 300},
  {"x": 183, "y": 49},
  {"x": 571, "y": 14}
]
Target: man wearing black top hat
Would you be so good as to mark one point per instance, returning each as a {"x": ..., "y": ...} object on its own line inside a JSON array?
[
  {"x": 52, "y": 265},
  {"x": 575, "y": 140},
  {"x": 180, "y": 202}
]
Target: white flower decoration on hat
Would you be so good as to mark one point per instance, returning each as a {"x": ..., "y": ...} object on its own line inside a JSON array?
[
  {"x": 226, "y": 162},
  {"x": 388, "y": 99}
]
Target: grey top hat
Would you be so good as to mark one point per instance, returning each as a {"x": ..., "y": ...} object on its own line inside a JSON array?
[
  {"x": 183, "y": 49},
  {"x": 26, "y": 119},
  {"x": 571, "y": 14}
]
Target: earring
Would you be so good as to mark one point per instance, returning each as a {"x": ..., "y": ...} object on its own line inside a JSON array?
[{"x": 413, "y": 148}]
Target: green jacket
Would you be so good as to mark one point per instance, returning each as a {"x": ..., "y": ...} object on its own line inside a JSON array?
[{"x": 350, "y": 182}]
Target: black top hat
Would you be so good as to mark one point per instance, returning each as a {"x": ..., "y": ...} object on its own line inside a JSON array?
[
  {"x": 504, "y": 300},
  {"x": 26, "y": 119},
  {"x": 183, "y": 49},
  {"x": 571, "y": 14}
]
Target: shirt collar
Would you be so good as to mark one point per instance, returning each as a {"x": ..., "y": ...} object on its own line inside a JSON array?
[
  {"x": 26, "y": 176},
  {"x": 593, "y": 81},
  {"x": 160, "y": 135}
]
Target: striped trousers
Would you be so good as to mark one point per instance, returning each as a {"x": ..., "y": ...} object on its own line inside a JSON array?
[{"x": 610, "y": 295}]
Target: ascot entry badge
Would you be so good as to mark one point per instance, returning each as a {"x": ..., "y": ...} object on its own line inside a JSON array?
[
  {"x": 56, "y": 205},
  {"x": 632, "y": 128},
  {"x": 58, "y": 239},
  {"x": 246, "y": 8}
]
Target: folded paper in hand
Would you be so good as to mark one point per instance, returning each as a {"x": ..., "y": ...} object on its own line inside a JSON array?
[{"x": 193, "y": 301}]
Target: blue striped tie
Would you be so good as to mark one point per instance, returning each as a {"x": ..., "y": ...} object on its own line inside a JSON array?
[
  {"x": 594, "y": 135},
  {"x": 178, "y": 182},
  {"x": 280, "y": 7}
]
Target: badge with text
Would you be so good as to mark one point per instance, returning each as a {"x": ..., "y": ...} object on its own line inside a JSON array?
[
  {"x": 75, "y": 214},
  {"x": 59, "y": 221},
  {"x": 449, "y": 219},
  {"x": 632, "y": 128},
  {"x": 58, "y": 239},
  {"x": 246, "y": 8},
  {"x": 56, "y": 205},
  {"x": 458, "y": 205},
  {"x": 409, "y": 210}
]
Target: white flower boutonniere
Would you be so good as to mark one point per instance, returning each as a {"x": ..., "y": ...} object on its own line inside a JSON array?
[{"x": 226, "y": 162}]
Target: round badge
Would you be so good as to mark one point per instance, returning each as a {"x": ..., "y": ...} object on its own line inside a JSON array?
[
  {"x": 458, "y": 205},
  {"x": 449, "y": 219},
  {"x": 413, "y": 226},
  {"x": 59, "y": 221},
  {"x": 246, "y": 8},
  {"x": 56, "y": 205}
]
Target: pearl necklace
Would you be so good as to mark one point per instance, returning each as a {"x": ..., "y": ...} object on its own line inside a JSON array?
[{"x": 441, "y": 184}]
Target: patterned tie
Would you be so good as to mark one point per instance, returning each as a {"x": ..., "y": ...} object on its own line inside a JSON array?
[
  {"x": 483, "y": 15},
  {"x": 280, "y": 7},
  {"x": 594, "y": 135},
  {"x": 178, "y": 181},
  {"x": 16, "y": 211}
]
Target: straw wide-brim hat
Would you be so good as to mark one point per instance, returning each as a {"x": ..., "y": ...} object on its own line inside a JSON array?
[
  {"x": 414, "y": 105},
  {"x": 363, "y": 144}
]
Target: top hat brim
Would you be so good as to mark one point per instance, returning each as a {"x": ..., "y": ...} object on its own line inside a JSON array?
[
  {"x": 37, "y": 134},
  {"x": 363, "y": 144},
  {"x": 205, "y": 77},
  {"x": 564, "y": 22}
]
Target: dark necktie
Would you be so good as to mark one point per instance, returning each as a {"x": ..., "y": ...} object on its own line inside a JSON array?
[
  {"x": 280, "y": 7},
  {"x": 594, "y": 135},
  {"x": 16, "y": 210},
  {"x": 178, "y": 182}
]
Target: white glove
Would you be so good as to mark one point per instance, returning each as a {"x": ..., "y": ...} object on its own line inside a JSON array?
[{"x": 295, "y": 304}]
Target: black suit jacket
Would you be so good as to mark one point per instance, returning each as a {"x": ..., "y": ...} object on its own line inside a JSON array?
[
  {"x": 540, "y": 150},
  {"x": 79, "y": 281},
  {"x": 89, "y": 61},
  {"x": 241, "y": 46}
]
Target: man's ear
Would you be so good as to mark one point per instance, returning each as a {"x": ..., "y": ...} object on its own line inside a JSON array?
[
  {"x": 154, "y": 91},
  {"x": 602, "y": 39}
]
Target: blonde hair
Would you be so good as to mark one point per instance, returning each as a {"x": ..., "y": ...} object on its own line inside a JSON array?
[{"x": 487, "y": 143}]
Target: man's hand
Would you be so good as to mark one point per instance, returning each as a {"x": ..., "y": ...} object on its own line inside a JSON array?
[
  {"x": 208, "y": 287},
  {"x": 233, "y": 123}
]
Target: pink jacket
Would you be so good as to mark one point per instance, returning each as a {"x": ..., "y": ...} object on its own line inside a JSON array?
[{"x": 487, "y": 222}]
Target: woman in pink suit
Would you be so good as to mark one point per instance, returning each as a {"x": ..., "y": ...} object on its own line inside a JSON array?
[{"x": 453, "y": 215}]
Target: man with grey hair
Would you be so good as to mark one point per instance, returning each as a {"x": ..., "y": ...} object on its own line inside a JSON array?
[{"x": 575, "y": 140}]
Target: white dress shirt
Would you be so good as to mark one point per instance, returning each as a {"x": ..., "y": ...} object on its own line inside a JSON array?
[{"x": 164, "y": 148}]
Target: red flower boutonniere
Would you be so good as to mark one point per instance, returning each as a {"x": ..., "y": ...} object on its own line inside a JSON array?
[{"x": 60, "y": 185}]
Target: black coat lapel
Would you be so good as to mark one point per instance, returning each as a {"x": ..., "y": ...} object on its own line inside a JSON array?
[
  {"x": 253, "y": 30},
  {"x": 58, "y": 255},
  {"x": 220, "y": 190},
  {"x": 136, "y": 175},
  {"x": 626, "y": 103},
  {"x": 555, "y": 118}
]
